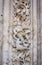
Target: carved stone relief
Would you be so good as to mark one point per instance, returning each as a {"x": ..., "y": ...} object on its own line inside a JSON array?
[
  {"x": 20, "y": 37},
  {"x": 17, "y": 35},
  {"x": 20, "y": 32}
]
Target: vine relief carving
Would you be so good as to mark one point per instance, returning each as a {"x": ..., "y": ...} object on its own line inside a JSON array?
[{"x": 20, "y": 32}]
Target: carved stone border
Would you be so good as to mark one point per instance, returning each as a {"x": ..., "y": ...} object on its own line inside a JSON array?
[
  {"x": 31, "y": 33},
  {"x": 34, "y": 23},
  {"x": 34, "y": 13}
]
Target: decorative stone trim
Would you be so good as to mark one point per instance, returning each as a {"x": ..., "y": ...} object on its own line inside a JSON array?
[{"x": 20, "y": 33}]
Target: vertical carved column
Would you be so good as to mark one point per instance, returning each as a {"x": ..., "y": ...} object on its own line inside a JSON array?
[
  {"x": 39, "y": 32},
  {"x": 41, "y": 28},
  {"x": 1, "y": 29},
  {"x": 5, "y": 33},
  {"x": 20, "y": 30},
  {"x": 34, "y": 32}
]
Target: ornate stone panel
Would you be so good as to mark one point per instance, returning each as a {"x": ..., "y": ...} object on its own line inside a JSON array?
[
  {"x": 20, "y": 30},
  {"x": 18, "y": 40}
]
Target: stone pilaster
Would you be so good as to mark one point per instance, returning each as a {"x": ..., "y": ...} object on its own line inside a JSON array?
[{"x": 5, "y": 50}]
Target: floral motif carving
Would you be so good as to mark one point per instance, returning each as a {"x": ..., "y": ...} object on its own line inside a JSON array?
[{"x": 20, "y": 38}]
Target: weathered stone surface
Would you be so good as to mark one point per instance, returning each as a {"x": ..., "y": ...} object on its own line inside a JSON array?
[
  {"x": 20, "y": 26},
  {"x": 19, "y": 33}
]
